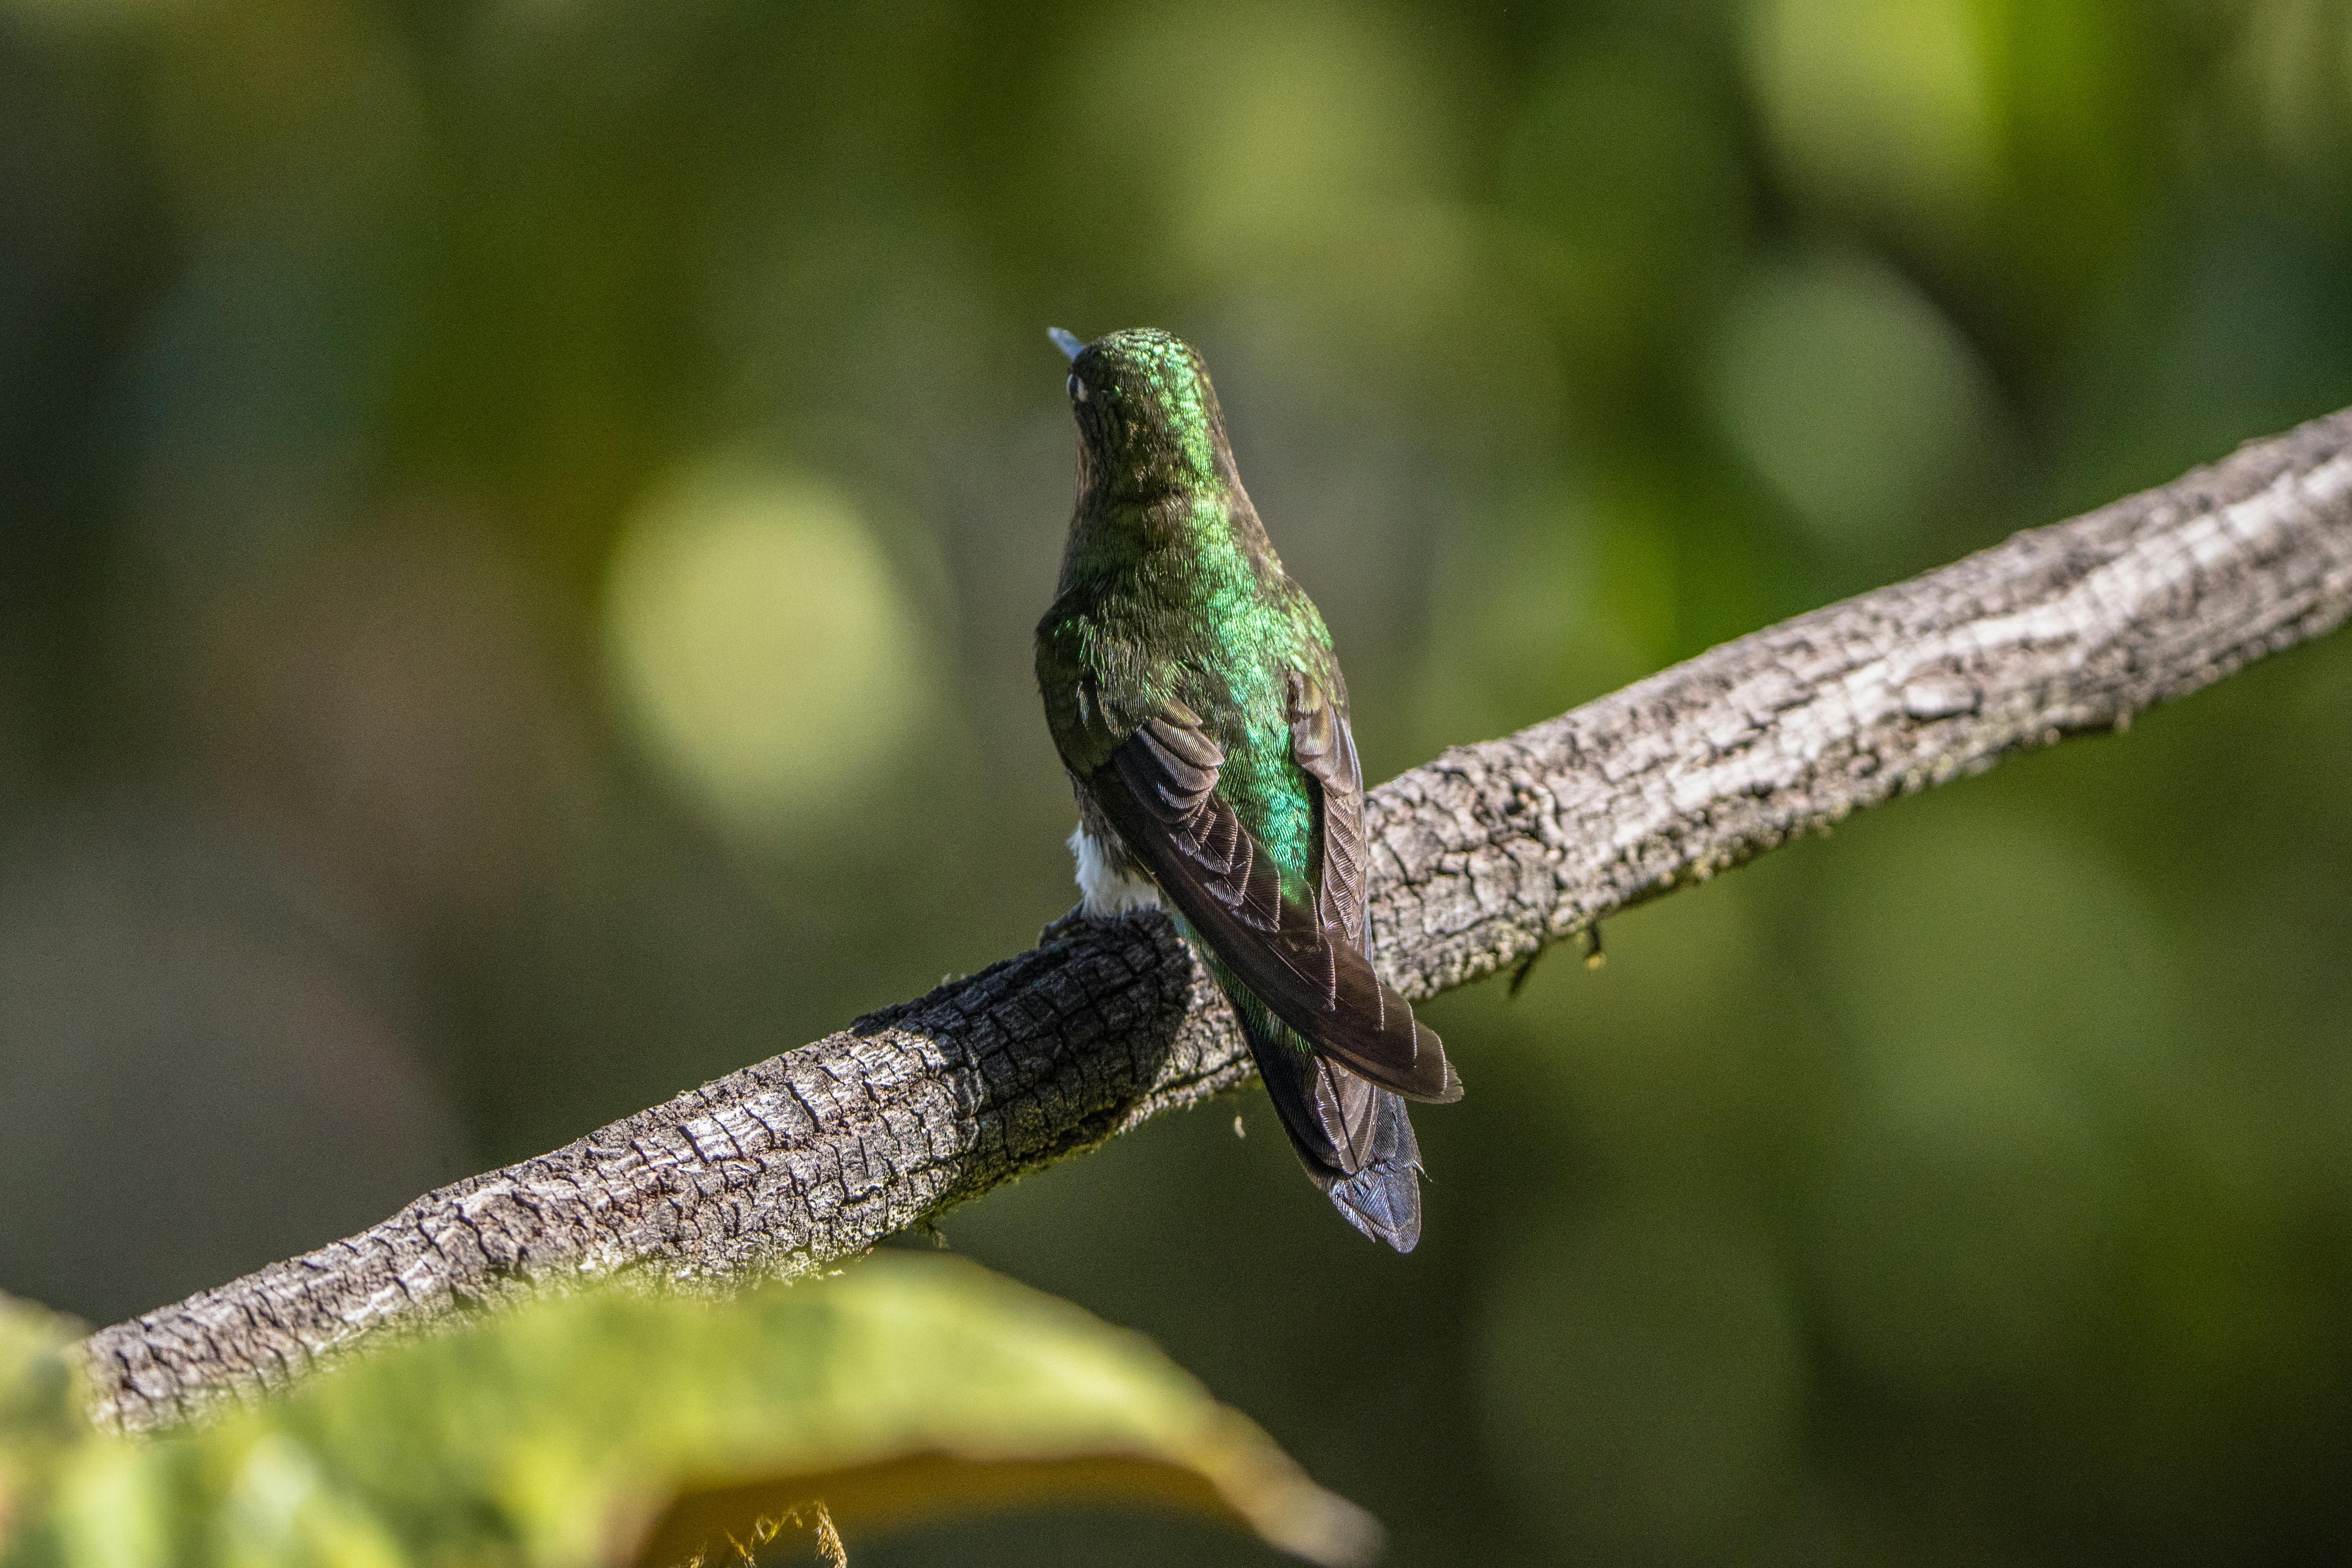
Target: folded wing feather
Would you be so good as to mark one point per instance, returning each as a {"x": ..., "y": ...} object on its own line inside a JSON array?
[{"x": 1306, "y": 962}]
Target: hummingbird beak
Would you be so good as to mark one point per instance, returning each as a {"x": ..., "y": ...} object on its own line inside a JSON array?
[{"x": 1066, "y": 342}]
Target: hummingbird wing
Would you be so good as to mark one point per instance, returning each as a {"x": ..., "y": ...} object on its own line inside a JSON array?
[
  {"x": 1305, "y": 963},
  {"x": 1354, "y": 1138},
  {"x": 1324, "y": 746}
]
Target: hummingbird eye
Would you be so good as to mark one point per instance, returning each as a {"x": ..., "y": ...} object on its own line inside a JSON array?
[{"x": 1077, "y": 388}]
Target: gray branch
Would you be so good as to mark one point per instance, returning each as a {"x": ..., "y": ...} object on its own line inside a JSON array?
[{"x": 1481, "y": 857}]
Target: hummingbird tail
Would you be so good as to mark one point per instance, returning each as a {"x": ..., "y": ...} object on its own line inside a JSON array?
[
  {"x": 1383, "y": 1199},
  {"x": 1354, "y": 1138}
]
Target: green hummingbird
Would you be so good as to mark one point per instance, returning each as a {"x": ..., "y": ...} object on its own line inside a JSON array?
[{"x": 1193, "y": 695}]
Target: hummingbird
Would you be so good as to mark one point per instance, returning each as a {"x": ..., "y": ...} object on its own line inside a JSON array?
[{"x": 1193, "y": 695}]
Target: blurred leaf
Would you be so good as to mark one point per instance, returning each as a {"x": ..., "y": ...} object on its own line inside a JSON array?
[
  {"x": 615, "y": 1427},
  {"x": 38, "y": 1420}
]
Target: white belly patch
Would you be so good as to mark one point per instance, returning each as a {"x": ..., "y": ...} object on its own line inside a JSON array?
[{"x": 1104, "y": 889}]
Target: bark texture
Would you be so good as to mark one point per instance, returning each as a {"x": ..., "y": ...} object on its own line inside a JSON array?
[{"x": 1480, "y": 857}]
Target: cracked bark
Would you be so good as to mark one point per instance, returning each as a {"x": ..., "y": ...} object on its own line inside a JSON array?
[{"x": 1481, "y": 858}]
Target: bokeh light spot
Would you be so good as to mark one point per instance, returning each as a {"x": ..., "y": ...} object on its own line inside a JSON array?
[
  {"x": 1854, "y": 397},
  {"x": 1883, "y": 108},
  {"x": 1286, "y": 132},
  {"x": 1301, "y": 149},
  {"x": 762, "y": 644}
]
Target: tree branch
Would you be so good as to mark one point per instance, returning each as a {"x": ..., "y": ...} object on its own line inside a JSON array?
[{"x": 1482, "y": 856}]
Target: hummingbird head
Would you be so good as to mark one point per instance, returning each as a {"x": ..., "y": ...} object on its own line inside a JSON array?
[{"x": 1147, "y": 418}]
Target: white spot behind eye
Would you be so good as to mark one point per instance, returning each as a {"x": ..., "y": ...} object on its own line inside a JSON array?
[{"x": 1078, "y": 387}]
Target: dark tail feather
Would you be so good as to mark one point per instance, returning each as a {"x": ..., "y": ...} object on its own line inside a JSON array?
[
  {"x": 1355, "y": 1139},
  {"x": 1383, "y": 1199}
]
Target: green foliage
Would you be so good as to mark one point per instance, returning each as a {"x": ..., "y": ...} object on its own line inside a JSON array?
[{"x": 625, "y": 1427}]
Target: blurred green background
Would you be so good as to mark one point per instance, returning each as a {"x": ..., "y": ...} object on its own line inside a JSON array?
[{"x": 520, "y": 525}]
